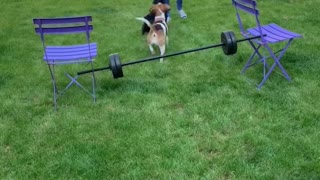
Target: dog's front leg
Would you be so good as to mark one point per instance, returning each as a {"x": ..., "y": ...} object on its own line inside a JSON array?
[{"x": 167, "y": 40}]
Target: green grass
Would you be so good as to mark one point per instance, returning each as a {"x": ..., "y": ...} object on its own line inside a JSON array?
[{"x": 193, "y": 117}]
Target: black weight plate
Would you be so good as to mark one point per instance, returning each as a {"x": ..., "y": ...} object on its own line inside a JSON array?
[
  {"x": 118, "y": 65},
  {"x": 227, "y": 42},
  {"x": 113, "y": 67},
  {"x": 234, "y": 43},
  {"x": 230, "y": 44}
]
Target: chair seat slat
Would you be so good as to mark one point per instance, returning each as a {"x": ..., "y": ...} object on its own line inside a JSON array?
[
  {"x": 70, "y": 57},
  {"x": 70, "y": 61},
  {"x": 73, "y": 53},
  {"x": 71, "y": 48},
  {"x": 274, "y": 33},
  {"x": 284, "y": 31},
  {"x": 70, "y": 52},
  {"x": 268, "y": 38}
]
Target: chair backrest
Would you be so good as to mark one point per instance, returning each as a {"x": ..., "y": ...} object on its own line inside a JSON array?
[
  {"x": 67, "y": 25},
  {"x": 62, "y": 26},
  {"x": 248, "y": 7}
]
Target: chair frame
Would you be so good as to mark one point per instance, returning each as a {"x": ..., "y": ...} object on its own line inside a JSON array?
[
  {"x": 269, "y": 34},
  {"x": 67, "y": 54}
]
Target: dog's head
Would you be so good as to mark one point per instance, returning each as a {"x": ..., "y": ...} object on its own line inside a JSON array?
[{"x": 158, "y": 9}]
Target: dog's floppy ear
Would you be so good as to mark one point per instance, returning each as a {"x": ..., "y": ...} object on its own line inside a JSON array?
[
  {"x": 168, "y": 8},
  {"x": 164, "y": 7},
  {"x": 152, "y": 9}
]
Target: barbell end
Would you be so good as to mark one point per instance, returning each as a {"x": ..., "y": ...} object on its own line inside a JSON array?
[
  {"x": 229, "y": 41},
  {"x": 235, "y": 43},
  {"x": 115, "y": 65}
]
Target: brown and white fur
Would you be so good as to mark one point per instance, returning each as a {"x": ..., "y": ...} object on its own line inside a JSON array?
[{"x": 158, "y": 34}]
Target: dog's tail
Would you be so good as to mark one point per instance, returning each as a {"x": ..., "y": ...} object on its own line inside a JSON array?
[{"x": 144, "y": 20}]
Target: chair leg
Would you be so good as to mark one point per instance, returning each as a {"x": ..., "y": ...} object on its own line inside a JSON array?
[
  {"x": 74, "y": 81},
  {"x": 276, "y": 63},
  {"x": 54, "y": 86},
  {"x": 249, "y": 62},
  {"x": 93, "y": 84},
  {"x": 277, "y": 59}
]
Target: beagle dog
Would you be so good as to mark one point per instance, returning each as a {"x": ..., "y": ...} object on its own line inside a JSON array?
[
  {"x": 158, "y": 33},
  {"x": 150, "y": 17}
]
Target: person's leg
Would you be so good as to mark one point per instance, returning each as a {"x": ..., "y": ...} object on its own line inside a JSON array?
[
  {"x": 179, "y": 7},
  {"x": 167, "y": 13}
]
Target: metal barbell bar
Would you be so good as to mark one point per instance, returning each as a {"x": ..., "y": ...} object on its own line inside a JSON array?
[{"x": 228, "y": 44}]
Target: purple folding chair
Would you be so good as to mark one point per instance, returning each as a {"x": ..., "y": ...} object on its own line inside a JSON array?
[
  {"x": 67, "y": 54},
  {"x": 270, "y": 34}
]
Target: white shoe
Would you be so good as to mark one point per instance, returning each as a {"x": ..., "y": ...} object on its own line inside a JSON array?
[
  {"x": 168, "y": 19},
  {"x": 183, "y": 15}
]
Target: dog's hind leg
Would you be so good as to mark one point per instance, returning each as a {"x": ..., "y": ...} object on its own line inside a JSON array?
[
  {"x": 151, "y": 49},
  {"x": 162, "y": 50}
]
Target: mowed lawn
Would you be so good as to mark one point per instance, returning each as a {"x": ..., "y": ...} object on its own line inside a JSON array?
[{"x": 192, "y": 117}]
